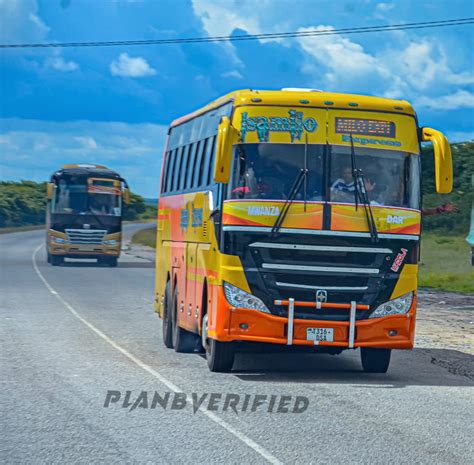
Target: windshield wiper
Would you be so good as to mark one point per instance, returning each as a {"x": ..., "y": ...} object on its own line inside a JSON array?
[
  {"x": 360, "y": 193},
  {"x": 291, "y": 196}
]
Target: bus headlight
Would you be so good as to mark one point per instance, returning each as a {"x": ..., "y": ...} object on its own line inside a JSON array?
[
  {"x": 398, "y": 306},
  {"x": 241, "y": 299},
  {"x": 111, "y": 242},
  {"x": 58, "y": 240}
]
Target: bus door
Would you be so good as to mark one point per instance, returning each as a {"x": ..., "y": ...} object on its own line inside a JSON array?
[{"x": 189, "y": 319}]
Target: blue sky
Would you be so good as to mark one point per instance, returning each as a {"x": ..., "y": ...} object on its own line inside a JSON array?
[{"x": 112, "y": 105}]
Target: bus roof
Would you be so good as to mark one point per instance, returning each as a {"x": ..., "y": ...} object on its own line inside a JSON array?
[
  {"x": 83, "y": 169},
  {"x": 304, "y": 97}
]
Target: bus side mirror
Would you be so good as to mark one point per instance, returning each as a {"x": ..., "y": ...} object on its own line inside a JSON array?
[
  {"x": 49, "y": 190},
  {"x": 443, "y": 160},
  {"x": 126, "y": 195},
  {"x": 225, "y": 136}
]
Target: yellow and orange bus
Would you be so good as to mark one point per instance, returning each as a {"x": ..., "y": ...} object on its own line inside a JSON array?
[{"x": 293, "y": 218}]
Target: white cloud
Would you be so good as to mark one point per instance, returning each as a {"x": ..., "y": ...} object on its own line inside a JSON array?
[
  {"x": 232, "y": 74},
  {"x": 414, "y": 70},
  {"x": 220, "y": 19},
  {"x": 20, "y": 22},
  {"x": 60, "y": 64},
  {"x": 128, "y": 66},
  {"x": 454, "y": 101},
  {"x": 33, "y": 149},
  {"x": 423, "y": 64},
  {"x": 382, "y": 10},
  {"x": 385, "y": 6},
  {"x": 345, "y": 61},
  {"x": 86, "y": 142}
]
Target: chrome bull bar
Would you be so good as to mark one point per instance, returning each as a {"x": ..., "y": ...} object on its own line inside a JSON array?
[{"x": 353, "y": 306}]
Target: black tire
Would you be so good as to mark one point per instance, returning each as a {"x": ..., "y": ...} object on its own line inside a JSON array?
[
  {"x": 375, "y": 360},
  {"x": 48, "y": 257},
  {"x": 57, "y": 260},
  {"x": 167, "y": 324},
  {"x": 183, "y": 341},
  {"x": 220, "y": 356},
  {"x": 112, "y": 262}
]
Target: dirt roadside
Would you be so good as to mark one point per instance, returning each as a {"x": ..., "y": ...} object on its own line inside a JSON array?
[{"x": 445, "y": 320}]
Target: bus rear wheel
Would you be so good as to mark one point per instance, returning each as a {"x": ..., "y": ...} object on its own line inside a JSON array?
[
  {"x": 183, "y": 341},
  {"x": 167, "y": 326},
  {"x": 57, "y": 260},
  {"x": 375, "y": 360}
]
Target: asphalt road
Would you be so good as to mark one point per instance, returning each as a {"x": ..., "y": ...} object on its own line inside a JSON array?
[{"x": 70, "y": 334}]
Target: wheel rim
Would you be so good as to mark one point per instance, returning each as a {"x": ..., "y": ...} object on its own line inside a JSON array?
[{"x": 204, "y": 332}]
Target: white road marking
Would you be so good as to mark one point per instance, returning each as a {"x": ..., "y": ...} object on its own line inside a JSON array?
[{"x": 245, "y": 439}]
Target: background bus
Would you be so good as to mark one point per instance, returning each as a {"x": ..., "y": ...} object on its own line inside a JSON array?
[
  {"x": 293, "y": 218},
  {"x": 84, "y": 214}
]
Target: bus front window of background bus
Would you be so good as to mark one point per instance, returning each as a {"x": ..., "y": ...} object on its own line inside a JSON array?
[
  {"x": 268, "y": 171},
  {"x": 104, "y": 204},
  {"x": 391, "y": 178},
  {"x": 71, "y": 197}
]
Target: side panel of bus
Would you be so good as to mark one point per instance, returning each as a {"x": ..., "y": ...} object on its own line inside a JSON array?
[{"x": 186, "y": 240}]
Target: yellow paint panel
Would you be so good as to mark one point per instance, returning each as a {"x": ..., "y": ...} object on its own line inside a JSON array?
[
  {"x": 232, "y": 271},
  {"x": 407, "y": 281},
  {"x": 281, "y": 124},
  {"x": 406, "y": 135},
  {"x": 265, "y": 214},
  {"x": 387, "y": 220}
]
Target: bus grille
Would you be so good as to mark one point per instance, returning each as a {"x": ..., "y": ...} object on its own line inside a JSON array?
[{"x": 86, "y": 236}]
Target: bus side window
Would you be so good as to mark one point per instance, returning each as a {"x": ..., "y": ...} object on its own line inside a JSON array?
[
  {"x": 199, "y": 166},
  {"x": 182, "y": 167},
  {"x": 211, "y": 161},
  {"x": 203, "y": 181},
  {"x": 195, "y": 167},
  {"x": 191, "y": 165},
  {"x": 165, "y": 172},
  {"x": 175, "y": 174}
]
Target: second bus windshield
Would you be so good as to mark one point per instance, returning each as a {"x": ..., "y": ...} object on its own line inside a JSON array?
[
  {"x": 72, "y": 196},
  {"x": 268, "y": 171}
]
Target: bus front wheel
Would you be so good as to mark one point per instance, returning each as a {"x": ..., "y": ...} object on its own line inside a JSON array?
[
  {"x": 375, "y": 360},
  {"x": 57, "y": 260},
  {"x": 220, "y": 356}
]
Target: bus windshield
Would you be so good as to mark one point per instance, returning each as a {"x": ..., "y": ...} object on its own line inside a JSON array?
[
  {"x": 73, "y": 196},
  {"x": 268, "y": 171},
  {"x": 391, "y": 178}
]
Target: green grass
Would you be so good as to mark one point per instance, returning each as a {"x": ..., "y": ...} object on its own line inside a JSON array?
[
  {"x": 445, "y": 260},
  {"x": 145, "y": 237},
  {"x": 446, "y": 263}
]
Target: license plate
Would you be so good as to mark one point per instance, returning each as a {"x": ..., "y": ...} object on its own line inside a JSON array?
[{"x": 320, "y": 334}]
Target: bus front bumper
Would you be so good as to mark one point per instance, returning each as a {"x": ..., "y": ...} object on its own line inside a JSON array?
[
  {"x": 390, "y": 332},
  {"x": 84, "y": 251}
]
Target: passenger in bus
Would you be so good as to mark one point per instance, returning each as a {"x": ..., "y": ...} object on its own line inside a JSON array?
[
  {"x": 373, "y": 194},
  {"x": 271, "y": 187},
  {"x": 342, "y": 189}
]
